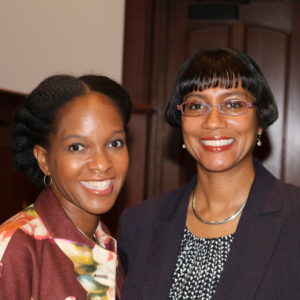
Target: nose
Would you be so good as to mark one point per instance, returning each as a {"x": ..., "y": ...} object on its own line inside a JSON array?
[
  {"x": 100, "y": 162},
  {"x": 214, "y": 119}
]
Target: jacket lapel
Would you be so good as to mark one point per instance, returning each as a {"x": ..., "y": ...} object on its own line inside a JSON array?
[
  {"x": 255, "y": 240},
  {"x": 165, "y": 245}
]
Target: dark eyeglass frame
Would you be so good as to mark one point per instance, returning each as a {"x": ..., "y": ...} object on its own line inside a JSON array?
[{"x": 218, "y": 106}]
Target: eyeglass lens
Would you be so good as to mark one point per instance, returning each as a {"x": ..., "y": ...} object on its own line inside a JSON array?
[{"x": 232, "y": 107}]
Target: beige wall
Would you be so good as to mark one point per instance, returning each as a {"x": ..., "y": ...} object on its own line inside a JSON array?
[{"x": 39, "y": 38}]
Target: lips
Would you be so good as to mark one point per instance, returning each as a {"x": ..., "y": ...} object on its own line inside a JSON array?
[
  {"x": 217, "y": 144},
  {"x": 99, "y": 186}
]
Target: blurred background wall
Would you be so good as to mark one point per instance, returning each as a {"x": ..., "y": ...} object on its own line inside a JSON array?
[
  {"x": 41, "y": 38},
  {"x": 142, "y": 43}
]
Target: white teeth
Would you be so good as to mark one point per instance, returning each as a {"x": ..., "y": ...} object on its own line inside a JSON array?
[
  {"x": 217, "y": 143},
  {"x": 97, "y": 185}
]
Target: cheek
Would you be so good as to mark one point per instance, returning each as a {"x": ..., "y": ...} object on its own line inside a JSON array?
[
  {"x": 188, "y": 128},
  {"x": 125, "y": 163},
  {"x": 121, "y": 163},
  {"x": 247, "y": 125},
  {"x": 66, "y": 166}
]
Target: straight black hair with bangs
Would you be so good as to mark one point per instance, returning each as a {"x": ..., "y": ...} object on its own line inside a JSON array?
[{"x": 225, "y": 68}]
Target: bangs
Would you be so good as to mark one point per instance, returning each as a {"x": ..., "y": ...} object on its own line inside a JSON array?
[
  {"x": 217, "y": 69},
  {"x": 226, "y": 80}
]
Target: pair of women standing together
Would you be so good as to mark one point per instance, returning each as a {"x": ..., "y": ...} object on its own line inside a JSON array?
[{"x": 228, "y": 234}]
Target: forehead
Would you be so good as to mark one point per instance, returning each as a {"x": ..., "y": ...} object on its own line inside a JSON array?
[{"x": 93, "y": 107}]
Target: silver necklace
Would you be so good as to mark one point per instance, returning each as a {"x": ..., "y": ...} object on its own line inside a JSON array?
[{"x": 215, "y": 222}]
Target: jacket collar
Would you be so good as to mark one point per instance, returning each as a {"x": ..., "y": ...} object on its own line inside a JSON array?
[
  {"x": 165, "y": 243},
  {"x": 265, "y": 190},
  {"x": 255, "y": 239},
  {"x": 263, "y": 196},
  {"x": 60, "y": 225},
  {"x": 178, "y": 203},
  {"x": 62, "y": 228},
  {"x": 56, "y": 220}
]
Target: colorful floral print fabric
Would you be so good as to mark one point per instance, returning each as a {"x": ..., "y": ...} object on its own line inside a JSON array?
[{"x": 94, "y": 267}]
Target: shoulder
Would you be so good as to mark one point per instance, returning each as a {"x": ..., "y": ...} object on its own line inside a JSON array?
[
  {"x": 273, "y": 191},
  {"x": 24, "y": 226},
  {"x": 290, "y": 196},
  {"x": 291, "y": 190},
  {"x": 285, "y": 197},
  {"x": 156, "y": 205},
  {"x": 141, "y": 220},
  {"x": 152, "y": 204},
  {"x": 20, "y": 220}
]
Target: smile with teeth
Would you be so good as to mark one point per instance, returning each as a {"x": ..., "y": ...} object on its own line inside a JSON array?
[
  {"x": 97, "y": 185},
  {"x": 217, "y": 143}
]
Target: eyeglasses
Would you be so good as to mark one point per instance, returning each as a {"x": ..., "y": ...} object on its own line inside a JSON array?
[{"x": 227, "y": 107}]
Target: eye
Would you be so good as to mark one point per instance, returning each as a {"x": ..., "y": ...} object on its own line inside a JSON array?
[
  {"x": 116, "y": 143},
  {"x": 234, "y": 104},
  {"x": 195, "y": 106},
  {"x": 76, "y": 147}
]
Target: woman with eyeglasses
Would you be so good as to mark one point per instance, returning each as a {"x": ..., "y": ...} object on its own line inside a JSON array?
[{"x": 232, "y": 232}]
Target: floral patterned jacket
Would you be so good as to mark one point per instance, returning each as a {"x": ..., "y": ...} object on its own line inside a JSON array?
[{"x": 44, "y": 256}]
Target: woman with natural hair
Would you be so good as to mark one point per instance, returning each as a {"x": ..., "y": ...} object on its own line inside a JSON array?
[
  {"x": 70, "y": 137},
  {"x": 232, "y": 231}
]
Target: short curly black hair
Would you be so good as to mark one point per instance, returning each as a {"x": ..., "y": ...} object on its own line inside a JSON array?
[
  {"x": 224, "y": 68},
  {"x": 35, "y": 119}
]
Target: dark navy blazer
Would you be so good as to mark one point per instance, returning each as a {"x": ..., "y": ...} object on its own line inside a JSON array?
[{"x": 264, "y": 261}]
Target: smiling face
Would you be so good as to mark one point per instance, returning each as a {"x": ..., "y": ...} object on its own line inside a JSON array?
[
  {"x": 87, "y": 157},
  {"x": 216, "y": 141}
]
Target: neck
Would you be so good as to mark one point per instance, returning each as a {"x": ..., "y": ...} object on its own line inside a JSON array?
[
  {"x": 86, "y": 222},
  {"x": 88, "y": 227},
  {"x": 223, "y": 189}
]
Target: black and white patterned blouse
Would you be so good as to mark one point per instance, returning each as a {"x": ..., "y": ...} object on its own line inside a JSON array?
[{"x": 199, "y": 266}]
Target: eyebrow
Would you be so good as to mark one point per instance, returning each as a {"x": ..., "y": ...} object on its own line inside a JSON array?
[
  {"x": 76, "y": 136},
  {"x": 72, "y": 136},
  {"x": 225, "y": 94}
]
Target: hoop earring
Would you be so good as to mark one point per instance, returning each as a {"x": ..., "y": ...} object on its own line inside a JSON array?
[
  {"x": 47, "y": 180},
  {"x": 183, "y": 146},
  {"x": 258, "y": 141}
]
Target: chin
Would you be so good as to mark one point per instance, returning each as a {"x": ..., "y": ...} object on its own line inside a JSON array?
[
  {"x": 216, "y": 167},
  {"x": 98, "y": 212},
  {"x": 216, "y": 170},
  {"x": 100, "y": 208}
]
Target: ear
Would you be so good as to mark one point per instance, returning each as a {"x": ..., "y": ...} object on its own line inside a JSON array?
[
  {"x": 260, "y": 131},
  {"x": 41, "y": 155}
]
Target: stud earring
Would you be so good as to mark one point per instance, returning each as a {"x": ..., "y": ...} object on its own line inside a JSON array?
[
  {"x": 47, "y": 180},
  {"x": 183, "y": 146},
  {"x": 258, "y": 141}
]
